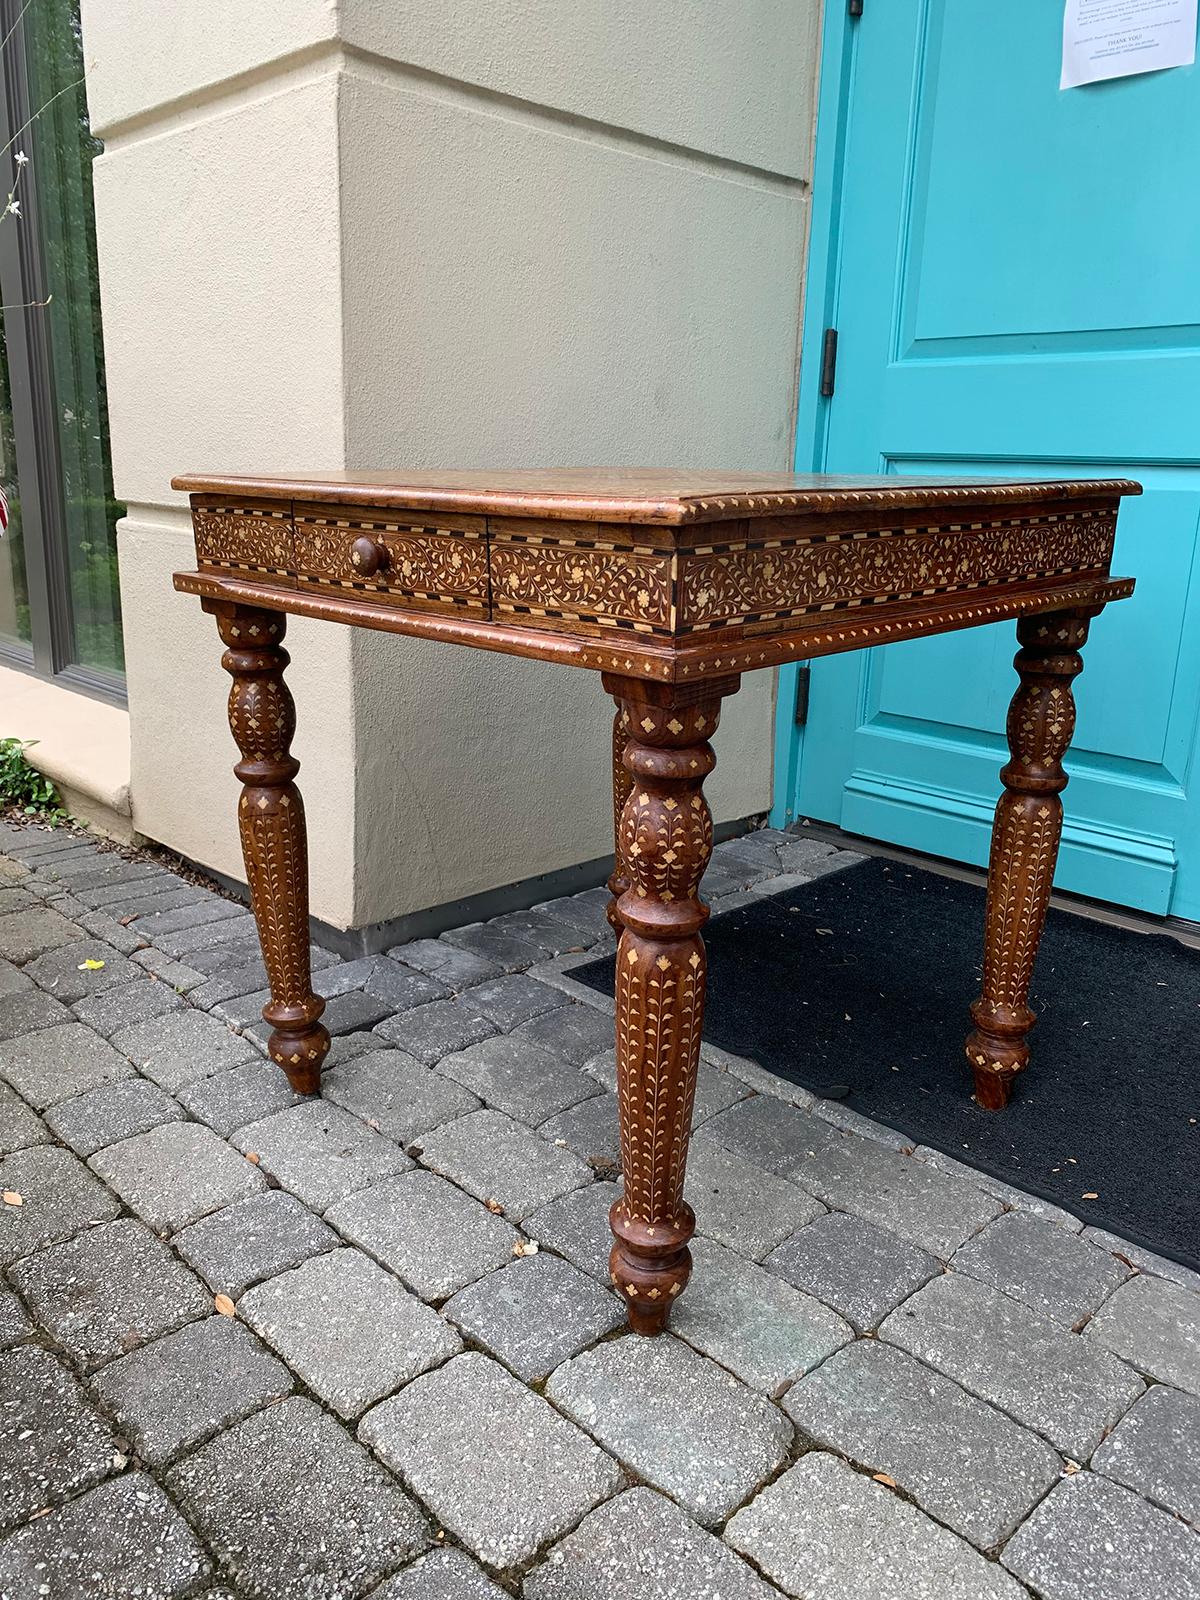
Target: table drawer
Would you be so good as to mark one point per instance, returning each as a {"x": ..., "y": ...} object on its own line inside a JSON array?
[
  {"x": 244, "y": 539},
  {"x": 420, "y": 560}
]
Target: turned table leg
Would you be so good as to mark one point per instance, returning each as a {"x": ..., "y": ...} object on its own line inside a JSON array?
[
  {"x": 621, "y": 785},
  {"x": 666, "y": 840},
  {"x": 262, "y": 718},
  {"x": 1025, "y": 839}
]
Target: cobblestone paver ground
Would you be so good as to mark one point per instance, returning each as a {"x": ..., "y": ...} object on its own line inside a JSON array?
[{"x": 367, "y": 1346}]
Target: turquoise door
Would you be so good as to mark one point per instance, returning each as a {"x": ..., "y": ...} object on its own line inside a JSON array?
[{"x": 1014, "y": 273}]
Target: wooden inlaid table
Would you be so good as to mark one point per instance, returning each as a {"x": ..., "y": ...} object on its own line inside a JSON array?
[{"x": 670, "y": 585}]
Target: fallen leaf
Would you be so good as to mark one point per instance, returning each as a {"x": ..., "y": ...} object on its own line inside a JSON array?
[
  {"x": 525, "y": 1247},
  {"x": 1090, "y": 1195},
  {"x": 494, "y": 1207},
  {"x": 225, "y": 1306},
  {"x": 89, "y": 965},
  {"x": 252, "y": 1155},
  {"x": 12, "y": 1198},
  {"x": 885, "y": 1478}
]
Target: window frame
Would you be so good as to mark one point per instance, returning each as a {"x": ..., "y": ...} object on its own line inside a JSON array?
[{"x": 23, "y": 287}]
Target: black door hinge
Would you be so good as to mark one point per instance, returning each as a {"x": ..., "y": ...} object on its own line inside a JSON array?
[
  {"x": 803, "y": 679},
  {"x": 854, "y": 8},
  {"x": 828, "y": 362}
]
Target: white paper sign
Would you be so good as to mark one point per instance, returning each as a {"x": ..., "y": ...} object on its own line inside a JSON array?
[{"x": 1115, "y": 38}]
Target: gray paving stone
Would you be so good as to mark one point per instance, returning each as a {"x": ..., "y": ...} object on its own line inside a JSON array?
[
  {"x": 676, "y": 1419},
  {"x": 132, "y": 1003},
  {"x": 59, "y": 1198},
  {"x": 52, "y": 1442},
  {"x": 325, "y": 1522},
  {"x": 120, "y": 936},
  {"x": 432, "y": 1032},
  {"x": 518, "y": 1077},
  {"x": 178, "y": 1391},
  {"x": 427, "y": 1231},
  {"x": 402, "y": 987},
  {"x": 229, "y": 1100},
  {"x": 1153, "y": 1450},
  {"x": 211, "y": 910},
  {"x": 110, "y": 1290},
  {"x": 215, "y": 958},
  {"x": 151, "y": 896},
  {"x": 1033, "y": 1369},
  {"x": 577, "y": 1227},
  {"x": 772, "y": 1134},
  {"x": 1155, "y": 1326},
  {"x": 860, "y": 1270},
  {"x": 233, "y": 981},
  {"x": 348, "y": 1328},
  {"x": 16, "y": 900},
  {"x": 766, "y": 1332},
  {"x": 549, "y": 936},
  {"x": 176, "y": 1173},
  {"x": 502, "y": 950},
  {"x": 19, "y": 1127},
  {"x": 180, "y": 1047},
  {"x": 183, "y": 979},
  {"x": 58, "y": 1063},
  {"x": 14, "y": 1323},
  {"x": 121, "y": 1540},
  {"x": 824, "y": 1530},
  {"x": 495, "y": 1158},
  {"x": 1094, "y": 1538},
  {"x": 114, "y": 1111},
  {"x": 441, "y": 1575},
  {"x": 395, "y": 1094},
  {"x": 534, "y": 1313},
  {"x": 158, "y": 882},
  {"x": 320, "y": 1152},
  {"x": 591, "y": 1130},
  {"x": 61, "y": 972},
  {"x": 1007, "y": 1194},
  {"x": 639, "y": 1546},
  {"x": 26, "y": 934},
  {"x": 184, "y": 944},
  {"x": 962, "y": 1461},
  {"x": 12, "y": 979},
  {"x": 516, "y": 998},
  {"x": 930, "y": 1209},
  {"x": 1145, "y": 1260},
  {"x": 573, "y": 1033},
  {"x": 740, "y": 1205},
  {"x": 104, "y": 867},
  {"x": 532, "y": 1474},
  {"x": 1043, "y": 1266},
  {"x": 457, "y": 969},
  {"x": 251, "y": 1240},
  {"x": 27, "y": 1010},
  {"x": 585, "y": 913}
]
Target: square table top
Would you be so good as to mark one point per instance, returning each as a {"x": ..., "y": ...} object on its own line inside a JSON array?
[{"x": 663, "y": 495}]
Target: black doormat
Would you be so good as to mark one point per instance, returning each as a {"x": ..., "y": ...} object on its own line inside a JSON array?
[{"x": 862, "y": 978}]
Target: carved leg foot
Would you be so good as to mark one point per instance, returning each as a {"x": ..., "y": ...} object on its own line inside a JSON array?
[
  {"x": 621, "y": 785},
  {"x": 262, "y": 718},
  {"x": 666, "y": 840},
  {"x": 1025, "y": 840}
]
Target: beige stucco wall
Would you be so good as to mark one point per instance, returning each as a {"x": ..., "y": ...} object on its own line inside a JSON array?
[{"x": 486, "y": 232}]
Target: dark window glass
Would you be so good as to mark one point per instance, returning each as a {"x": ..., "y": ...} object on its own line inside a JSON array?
[{"x": 58, "y": 562}]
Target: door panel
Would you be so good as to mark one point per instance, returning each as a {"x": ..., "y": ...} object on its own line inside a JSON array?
[{"x": 1012, "y": 277}]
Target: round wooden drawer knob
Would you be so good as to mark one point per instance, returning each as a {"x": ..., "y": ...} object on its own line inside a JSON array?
[{"x": 368, "y": 556}]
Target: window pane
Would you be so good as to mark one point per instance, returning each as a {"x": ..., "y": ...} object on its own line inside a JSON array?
[
  {"x": 14, "y": 596},
  {"x": 62, "y": 149}
]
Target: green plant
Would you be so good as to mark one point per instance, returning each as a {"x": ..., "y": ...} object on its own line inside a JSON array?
[{"x": 24, "y": 786}]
